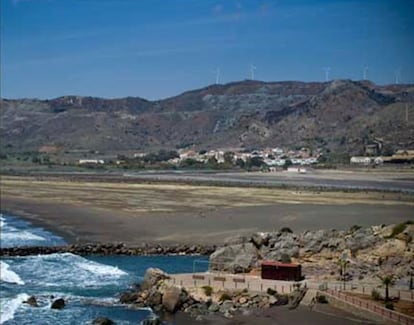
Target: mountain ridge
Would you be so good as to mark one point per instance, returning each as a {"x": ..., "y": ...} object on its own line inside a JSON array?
[{"x": 340, "y": 116}]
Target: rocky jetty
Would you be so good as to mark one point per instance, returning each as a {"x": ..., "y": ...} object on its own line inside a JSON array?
[
  {"x": 161, "y": 297},
  {"x": 368, "y": 251},
  {"x": 110, "y": 249}
]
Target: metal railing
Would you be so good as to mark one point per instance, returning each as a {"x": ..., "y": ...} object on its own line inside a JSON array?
[
  {"x": 221, "y": 281},
  {"x": 367, "y": 305}
]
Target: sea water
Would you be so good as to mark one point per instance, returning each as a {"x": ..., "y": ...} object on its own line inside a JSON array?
[{"x": 89, "y": 285}]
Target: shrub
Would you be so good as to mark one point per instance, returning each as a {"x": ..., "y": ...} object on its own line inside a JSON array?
[
  {"x": 375, "y": 295},
  {"x": 271, "y": 292},
  {"x": 321, "y": 299},
  {"x": 286, "y": 229},
  {"x": 398, "y": 229},
  {"x": 208, "y": 290},
  {"x": 354, "y": 228},
  {"x": 389, "y": 305},
  {"x": 285, "y": 258},
  {"x": 225, "y": 296}
]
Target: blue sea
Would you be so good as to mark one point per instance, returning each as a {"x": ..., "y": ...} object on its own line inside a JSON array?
[{"x": 90, "y": 285}]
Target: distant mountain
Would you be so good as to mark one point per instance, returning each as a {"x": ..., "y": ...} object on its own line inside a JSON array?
[{"x": 340, "y": 116}]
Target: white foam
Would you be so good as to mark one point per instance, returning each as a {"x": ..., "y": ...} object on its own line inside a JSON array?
[
  {"x": 2, "y": 221},
  {"x": 100, "y": 269},
  {"x": 20, "y": 235},
  {"x": 8, "y": 275},
  {"x": 9, "y": 307},
  {"x": 68, "y": 270}
]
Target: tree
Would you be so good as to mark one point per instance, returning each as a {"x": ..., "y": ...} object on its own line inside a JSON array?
[
  {"x": 228, "y": 157},
  {"x": 387, "y": 280},
  {"x": 240, "y": 162},
  {"x": 288, "y": 163},
  {"x": 343, "y": 263}
]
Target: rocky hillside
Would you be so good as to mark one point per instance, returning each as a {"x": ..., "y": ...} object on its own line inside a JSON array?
[
  {"x": 341, "y": 116},
  {"x": 369, "y": 252}
]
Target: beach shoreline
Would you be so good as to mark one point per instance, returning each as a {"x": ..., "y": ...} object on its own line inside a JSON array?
[{"x": 167, "y": 214}]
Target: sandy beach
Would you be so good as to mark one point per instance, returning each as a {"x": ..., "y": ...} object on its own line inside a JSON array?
[{"x": 179, "y": 213}]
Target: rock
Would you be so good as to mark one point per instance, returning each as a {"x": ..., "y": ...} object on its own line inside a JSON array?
[
  {"x": 102, "y": 321},
  {"x": 226, "y": 306},
  {"x": 242, "y": 300},
  {"x": 214, "y": 308},
  {"x": 151, "y": 321},
  {"x": 152, "y": 277},
  {"x": 392, "y": 247},
  {"x": 58, "y": 304},
  {"x": 362, "y": 238},
  {"x": 154, "y": 298},
  {"x": 272, "y": 300},
  {"x": 236, "y": 240},
  {"x": 235, "y": 258},
  {"x": 259, "y": 239},
  {"x": 129, "y": 297},
  {"x": 172, "y": 299},
  {"x": 314, "y": 241},
  {"x": 281, "y": 246},
  {"x": 31, "y": 302}
]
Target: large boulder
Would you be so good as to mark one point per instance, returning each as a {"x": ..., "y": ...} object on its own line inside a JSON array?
[
  {"x": 314, "y": 241},
  {"x": 236, "y": 240},
  {"x": 129, "y": 297},
  {"x": 235, "y": 258},
  {"x": 173, "y": 298},
  {"x": 152, "y": 277},
  {"x": 281, "y": 246},
  {"x": 259, "y": 239},
  {"x": 362, "y": 238},
  {"x": 58, "y": 304}
]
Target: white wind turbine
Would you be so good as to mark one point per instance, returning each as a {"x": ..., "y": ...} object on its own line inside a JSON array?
[
  {"x": 252, "y": 69},
  {"x": 365, "y": 73},
  {"x": 327, "y": 70},
  {"x": 217, "y": 72},
  {"x": 397, "y": 76}
]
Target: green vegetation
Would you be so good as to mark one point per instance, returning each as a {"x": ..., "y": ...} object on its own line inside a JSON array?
[
  {"x": 271, "y": 292},
  {"x": 398, "y": 229},
  {"x": 375, "y": 295},
  {"x": 208, "y": 290},
  {"x": 389, "y": 305},
  {"x": 285, "y": 258},
  {"x": 286, "y": 230},
  {"x": 354, "y": 228},
  {"x": 321, "y": 299},
  {"x": 387, "y": 280},
  {"x": 224, "y": 296}
]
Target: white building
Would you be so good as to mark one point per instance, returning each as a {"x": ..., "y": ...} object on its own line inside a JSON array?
[
  {"x": 91, "y": 161},
  {"x": 361, "y": 160}
]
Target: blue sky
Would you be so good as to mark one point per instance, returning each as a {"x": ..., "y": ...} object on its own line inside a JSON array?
[{"x": 160, "y": 48}]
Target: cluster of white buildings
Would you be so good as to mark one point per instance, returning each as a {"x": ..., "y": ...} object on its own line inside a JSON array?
[{"x": 272, "y": 157}]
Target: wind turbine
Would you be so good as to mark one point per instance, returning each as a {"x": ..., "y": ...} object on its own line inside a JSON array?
[
  {"x": 327, "y": 70},
  {"x": 364, "y": 72},
  {"x": 217, "y": 72},
  {"x": 252, "y": 68},
  {"x": 397, "y": 76}
]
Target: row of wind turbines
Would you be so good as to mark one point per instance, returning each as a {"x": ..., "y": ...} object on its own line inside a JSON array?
[{"x": 327, "y": 70}]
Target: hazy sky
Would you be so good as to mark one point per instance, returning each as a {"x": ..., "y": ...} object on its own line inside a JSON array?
[{"x": 159, "y": 48}]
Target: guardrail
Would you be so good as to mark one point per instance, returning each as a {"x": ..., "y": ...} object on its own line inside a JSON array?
[
  {"x": 220, "y": 281},
  {"x": 363, "y": 304},
  {"x": 365, "y": 289}
]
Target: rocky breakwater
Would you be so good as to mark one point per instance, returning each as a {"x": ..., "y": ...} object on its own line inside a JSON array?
[
  {"x": 156, "y": 292},
  {"x": 110, "y": 249},
  {"x": 369, "y": 252}
]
